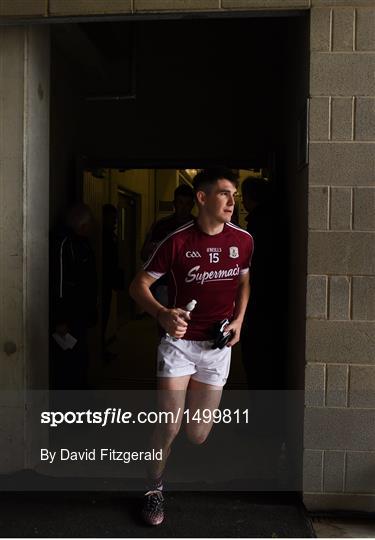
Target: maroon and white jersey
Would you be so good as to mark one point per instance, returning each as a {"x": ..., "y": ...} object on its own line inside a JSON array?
[{"x": 205, "y": 268}]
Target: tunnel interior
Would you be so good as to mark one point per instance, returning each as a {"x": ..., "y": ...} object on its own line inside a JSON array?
[{"x": 133, "y": 103}]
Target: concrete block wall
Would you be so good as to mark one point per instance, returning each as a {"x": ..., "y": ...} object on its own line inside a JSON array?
[
  {"x": 339, "y": 438},
  {"x": 62, "y": 8}
]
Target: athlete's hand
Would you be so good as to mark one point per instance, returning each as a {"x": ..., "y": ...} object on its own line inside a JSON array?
[
  {"x": 174, "y": 321},
  {"x": 235, "y": 327}
]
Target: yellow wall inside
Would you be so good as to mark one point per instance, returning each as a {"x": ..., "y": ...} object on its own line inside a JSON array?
[
  {"x": 153, "y": 186},
  {"x": 166, "y": 181},
  {"x": 141, "y": 181}
]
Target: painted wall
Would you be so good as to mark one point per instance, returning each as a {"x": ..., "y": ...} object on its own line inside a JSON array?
[
  {"x": 166, "y": 181},
  {"x": 140, "y": 181},
  {"x": 24, "y": 190}
]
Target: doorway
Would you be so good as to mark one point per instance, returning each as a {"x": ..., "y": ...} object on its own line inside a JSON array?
[
  {"x": 228, "y": 92},
  {"x": 128, "y": 207}
]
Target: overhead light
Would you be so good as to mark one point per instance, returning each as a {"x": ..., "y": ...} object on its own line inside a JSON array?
[{"x": 191, "y": 172}]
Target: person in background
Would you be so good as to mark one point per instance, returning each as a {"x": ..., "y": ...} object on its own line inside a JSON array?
[
  {"x": 183, "y": 203},
  {"x": 75, "y": 298}
]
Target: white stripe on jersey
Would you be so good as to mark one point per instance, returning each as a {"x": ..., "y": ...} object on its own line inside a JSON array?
[
  {"x": 240, "y": 229},
  {"x": 180, "y": 229},
  {"x": 155, "y": 275}
]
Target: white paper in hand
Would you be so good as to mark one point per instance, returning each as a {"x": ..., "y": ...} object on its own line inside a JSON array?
[{"x": 66, "y": 342}]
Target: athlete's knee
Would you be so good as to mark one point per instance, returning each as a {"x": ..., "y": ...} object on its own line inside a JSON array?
[
  {"x": 197, "y": 435},
  {"x": 170, "y": 431}
]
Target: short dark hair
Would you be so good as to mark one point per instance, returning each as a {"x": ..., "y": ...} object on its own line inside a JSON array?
[
  {"x": 183, "y": 191},
  {"x": 78, "y": 214},
  {"x": 206, "y": 178}
]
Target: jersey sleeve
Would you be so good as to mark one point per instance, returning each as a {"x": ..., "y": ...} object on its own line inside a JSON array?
[
  {"x": 161, "y": 260},
  {"x": 248, "y": 254}
]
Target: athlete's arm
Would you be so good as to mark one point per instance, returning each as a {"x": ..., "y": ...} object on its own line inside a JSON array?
[
  {"x": 242, "y": 298},
  {"x": 172, "y": 320}
]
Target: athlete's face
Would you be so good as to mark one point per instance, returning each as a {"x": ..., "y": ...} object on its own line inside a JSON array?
[{"x": 219, "y": 202}]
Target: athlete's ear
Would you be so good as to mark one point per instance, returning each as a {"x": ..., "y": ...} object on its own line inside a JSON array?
[{"x": 201, "y": 197}]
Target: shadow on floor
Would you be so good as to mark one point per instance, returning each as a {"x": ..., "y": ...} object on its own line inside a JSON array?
[{"x": 189, "y": 514}]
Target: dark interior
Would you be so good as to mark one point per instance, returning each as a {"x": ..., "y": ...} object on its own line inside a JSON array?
[{"x": 192, "y": 93}]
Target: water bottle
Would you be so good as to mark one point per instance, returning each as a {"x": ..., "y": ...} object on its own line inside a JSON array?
[{"x": 189, "y": 307}]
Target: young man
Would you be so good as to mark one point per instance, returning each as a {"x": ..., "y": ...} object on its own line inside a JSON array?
[{"x": 208, "y": 260}]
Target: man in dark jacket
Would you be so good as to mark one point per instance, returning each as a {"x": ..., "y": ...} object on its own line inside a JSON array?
[{"x": 74, "y": 307}]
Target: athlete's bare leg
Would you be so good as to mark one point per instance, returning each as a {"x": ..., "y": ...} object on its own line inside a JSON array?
[
  {"x": 172, "y": 395},
  {"x": 173, "y": 392},
  {"x": 201, "y": 396},
  {"x": 171, "y": 398}
]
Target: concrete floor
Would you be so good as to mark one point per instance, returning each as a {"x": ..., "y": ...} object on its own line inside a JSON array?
[
  {"x": 326, "y": 527},
  {"x": 190, "y": 515}
]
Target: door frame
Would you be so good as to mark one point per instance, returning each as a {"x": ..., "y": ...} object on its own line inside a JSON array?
[{"x": 138, "y": 214}]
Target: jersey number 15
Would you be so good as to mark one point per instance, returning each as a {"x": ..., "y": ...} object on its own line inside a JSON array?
[{"x": 214, "y": 257}]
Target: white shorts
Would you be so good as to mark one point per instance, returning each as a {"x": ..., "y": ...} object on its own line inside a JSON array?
[{"x": 179, "y": 357}]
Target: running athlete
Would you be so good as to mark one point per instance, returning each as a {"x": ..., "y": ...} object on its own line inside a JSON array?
[{"x": 208, "y": 260}]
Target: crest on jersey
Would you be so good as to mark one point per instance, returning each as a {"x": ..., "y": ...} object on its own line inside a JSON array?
[{"x": 233, "y": 252}]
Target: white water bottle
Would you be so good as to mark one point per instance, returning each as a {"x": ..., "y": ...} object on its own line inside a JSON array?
[{"x": 189, "y": 307}]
